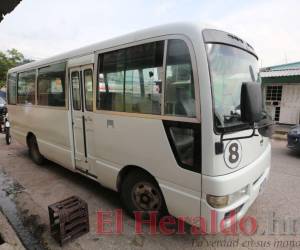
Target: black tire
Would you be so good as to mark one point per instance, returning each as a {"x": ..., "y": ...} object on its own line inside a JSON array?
[
  {"x": 134, "y": 182},
  {"x": 34, "y": 151},
  {"x": 7, "y": 136}
]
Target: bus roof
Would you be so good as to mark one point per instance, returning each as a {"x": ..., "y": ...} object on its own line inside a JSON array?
[
  {"x": 183, "y": 28},
  {"x": 192, "y": 30}
]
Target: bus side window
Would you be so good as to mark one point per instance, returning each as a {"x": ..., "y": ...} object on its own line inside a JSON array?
[
  {"x": 75, "y": 79},
  {"x": 144, "y": 67},
  {"x": 26, "y": 87},
  {"x": 51, "y": 85},
  {"x": 179, "y": 89},
  {"x": 111, "y": 81},
  {"x": 185, "y": 141},
  {"x": 88, "y": 85},
  {"x": 12, "y": 88},
  {"x": 130, "y": 79}
]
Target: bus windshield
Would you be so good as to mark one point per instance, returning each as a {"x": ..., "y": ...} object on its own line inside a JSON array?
[{"x": 229, "y": 68}]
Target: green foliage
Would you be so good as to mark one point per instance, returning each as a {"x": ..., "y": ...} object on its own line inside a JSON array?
[{"x": 9, "y": 59}]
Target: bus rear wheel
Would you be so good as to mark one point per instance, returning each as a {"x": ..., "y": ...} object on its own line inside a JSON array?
[
  {"x": 140, "y": 193},
  {"x": 34, "y": 151}
]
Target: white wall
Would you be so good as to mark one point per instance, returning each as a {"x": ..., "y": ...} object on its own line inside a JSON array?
[{"x": 290, "y": 104}]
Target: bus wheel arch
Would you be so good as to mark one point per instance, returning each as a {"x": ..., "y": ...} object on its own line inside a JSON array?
[
  {"x": 33, "y": 148},
  {"x": 28, "y": 137},
  {"x": 128, "y": 177}
]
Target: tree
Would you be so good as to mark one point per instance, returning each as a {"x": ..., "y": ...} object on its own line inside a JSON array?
[{"x": 9, "y": 59}]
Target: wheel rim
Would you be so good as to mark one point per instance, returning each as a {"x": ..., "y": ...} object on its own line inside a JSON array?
[{"x": 146, "y": 197}]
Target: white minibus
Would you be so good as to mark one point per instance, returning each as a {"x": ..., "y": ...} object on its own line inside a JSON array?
[{"x": 170, "y": 117}]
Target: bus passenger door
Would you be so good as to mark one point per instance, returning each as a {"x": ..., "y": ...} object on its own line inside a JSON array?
[{"x": 81, "y": 81}]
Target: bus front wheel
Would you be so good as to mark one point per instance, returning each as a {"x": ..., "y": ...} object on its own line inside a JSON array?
[
  {"x": 7, "y": 136},
  {"x": 140, "y": 193},
  {"x": 34, "y": 151}
]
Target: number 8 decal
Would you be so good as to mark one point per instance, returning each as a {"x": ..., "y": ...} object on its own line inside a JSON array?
[{"x": 233, "y": 154}]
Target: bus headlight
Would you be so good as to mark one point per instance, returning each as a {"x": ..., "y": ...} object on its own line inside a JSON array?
[
  {"x": 217, "y": 201},
  {"x": 223, "y": 201}
]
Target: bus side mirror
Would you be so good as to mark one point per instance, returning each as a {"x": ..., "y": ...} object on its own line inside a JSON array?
[{"x": 251, "y": 102}]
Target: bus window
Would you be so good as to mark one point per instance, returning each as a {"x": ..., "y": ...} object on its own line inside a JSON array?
[
  {"x": 144, "y": 67},
  {"x": 51, "y": 85},
  {"x": 130, "y": 79},
  {"x": 183, "y": 139},
  {"x": 179, "y": 89},
  {"x": 75, "y": 78},
  {"x": 111, "y": 90},
  {"x": 26, "y": 87},
  {"x": 88, "y": 84},
  {"x": 12, "y": 88}
]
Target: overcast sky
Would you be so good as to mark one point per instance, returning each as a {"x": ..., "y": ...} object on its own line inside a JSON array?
[{"x": 43, "y": 28}]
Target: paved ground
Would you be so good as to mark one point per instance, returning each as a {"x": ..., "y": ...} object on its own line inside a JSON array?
[
  {"x": 37, "y": 187},
  {"x": 8, "y": 238}
]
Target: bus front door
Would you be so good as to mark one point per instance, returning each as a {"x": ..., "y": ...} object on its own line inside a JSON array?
[{"x": 81, "y": 81}]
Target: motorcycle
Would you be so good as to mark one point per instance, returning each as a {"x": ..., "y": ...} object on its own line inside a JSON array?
[{"x": 4, "y": 122}]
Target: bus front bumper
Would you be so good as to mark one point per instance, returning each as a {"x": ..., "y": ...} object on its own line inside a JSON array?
[{"x": 250, "y": 179}]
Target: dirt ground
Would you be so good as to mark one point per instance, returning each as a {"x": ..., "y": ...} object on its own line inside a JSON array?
[{"x": 39, "y": 186}]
